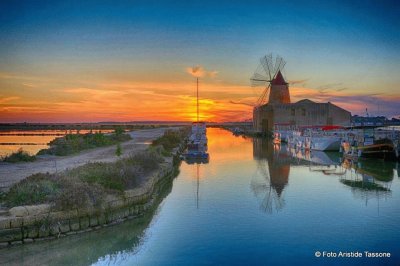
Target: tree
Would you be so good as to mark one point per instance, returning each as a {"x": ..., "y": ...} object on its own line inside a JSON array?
[
  {"x": 118, "y": 151},
  {"x": 118, "y": 131}
]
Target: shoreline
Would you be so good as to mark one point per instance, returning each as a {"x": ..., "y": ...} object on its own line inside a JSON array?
[
  {"x": 11, "y": 173},
  {"x": 37, "y": 223}
]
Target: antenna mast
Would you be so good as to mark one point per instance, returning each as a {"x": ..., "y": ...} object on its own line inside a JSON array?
[{"x": 197, "y": 81}]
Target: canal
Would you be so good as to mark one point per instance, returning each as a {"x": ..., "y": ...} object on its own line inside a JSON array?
[{"x": 251, "y": 204}]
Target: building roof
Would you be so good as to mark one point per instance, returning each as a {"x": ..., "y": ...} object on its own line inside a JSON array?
[
  {"x": 304, "y": 101},
  {"x": 279, "y": 80}
]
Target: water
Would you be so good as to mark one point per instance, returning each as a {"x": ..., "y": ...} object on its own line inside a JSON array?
[
  {"x": 32, "y": 141},
  {"x": 251, "y": 204}
]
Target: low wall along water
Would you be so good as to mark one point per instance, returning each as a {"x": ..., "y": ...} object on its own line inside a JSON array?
[{"x": 27, "y": 224}]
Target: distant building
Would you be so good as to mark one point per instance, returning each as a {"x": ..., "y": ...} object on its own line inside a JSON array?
[
  {"x": 279, "y": 111},
  {"x": 358, "y": 121}
]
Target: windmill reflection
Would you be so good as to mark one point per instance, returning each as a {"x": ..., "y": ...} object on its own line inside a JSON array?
[
  {"x": 274, "y": 167},
  {"x": 368, "y": 179}
]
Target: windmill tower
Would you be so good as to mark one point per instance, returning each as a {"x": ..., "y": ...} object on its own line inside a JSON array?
[{"x": 269, "y": 74}]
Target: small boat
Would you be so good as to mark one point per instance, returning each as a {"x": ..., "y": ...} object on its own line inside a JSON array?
[
  {"x": 197, "y": 143},
  {"x": 380, "y": 144},
  {"x": 380, "y": 149}
]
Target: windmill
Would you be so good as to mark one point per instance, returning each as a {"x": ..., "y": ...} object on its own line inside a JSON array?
[{"x": 268, "y": 74}]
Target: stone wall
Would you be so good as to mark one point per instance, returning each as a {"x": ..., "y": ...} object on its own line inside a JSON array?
[
  {"x": 27, "y": 224},
  {"x": 303, "y": 113}
]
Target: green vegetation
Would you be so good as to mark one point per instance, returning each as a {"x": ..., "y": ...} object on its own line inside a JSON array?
[
  {"x": 35, "y": 189},
  {"x": 118, "y": 151},
  {"x": 88, "y": 185},
  {"x": 170, "y": 139},
  {"x": 19, "y": 156},
  {"x": 73, "y": 143}
]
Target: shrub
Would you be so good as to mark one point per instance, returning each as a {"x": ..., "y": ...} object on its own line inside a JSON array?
[
  {"x": 147, "y": 160},
  {"x": 170, "y": 139},
  {"x": 35, "y": 189},
  {"x": 105, "y": 174},
  {"x": 118, "y": 151},
  {"x": 74, "y": 193},
  {"x": 19, "y": 156},
  {"x": 73, "y": 143}
]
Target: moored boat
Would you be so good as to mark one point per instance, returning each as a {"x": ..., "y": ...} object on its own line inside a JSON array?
[
  {"x": 197, "y": 143},
  {"x": 369, "y": 143},
  {"x": 326, "y": 138}
]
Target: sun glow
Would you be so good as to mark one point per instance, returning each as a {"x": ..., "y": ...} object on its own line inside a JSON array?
[{"x": 57, "y": 101}]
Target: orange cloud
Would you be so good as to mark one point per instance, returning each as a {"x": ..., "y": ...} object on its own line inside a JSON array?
[
  {"x": 200, "y": 72},
  {"x": 52, "y": 100}
]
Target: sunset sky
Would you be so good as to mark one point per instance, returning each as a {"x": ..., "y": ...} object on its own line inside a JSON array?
[{"x": 90, "y": 61}]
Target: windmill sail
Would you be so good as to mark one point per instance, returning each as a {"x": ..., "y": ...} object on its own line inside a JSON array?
[{"x": 268, "y": 75}]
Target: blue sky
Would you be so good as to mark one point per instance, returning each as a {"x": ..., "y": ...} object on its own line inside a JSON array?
[{"x": 351, "y": 46}]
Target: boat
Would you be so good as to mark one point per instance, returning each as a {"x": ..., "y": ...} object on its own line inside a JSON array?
[
  {"x": 369, "y": 143},
  {"x": 326, "y": 138},
  {"x": 197, "y": 142}
]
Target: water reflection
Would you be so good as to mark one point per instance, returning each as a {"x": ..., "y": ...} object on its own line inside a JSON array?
[
  {"x": 313, "y": 207},
  {"x": 367, "y": 179},
  {"x": 113, "y": 244},
  {"x": 274, "y": 166},
  {"x": 197, "y": 162}
]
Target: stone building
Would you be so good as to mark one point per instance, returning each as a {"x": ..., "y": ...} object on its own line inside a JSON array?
[{"x": 280, "y": 112}]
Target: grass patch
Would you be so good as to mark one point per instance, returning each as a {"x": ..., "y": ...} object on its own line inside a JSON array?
[
  {"x": 74, "y": 143},
  {"x": 106, "y": 175},
  {"x": 170, "y": 139},
  {"x": 75, "y": 193},
  {"x": 147, "y": 161},
  {"x": 35, "y": 189},
  {"x": 19, "y": 156}
]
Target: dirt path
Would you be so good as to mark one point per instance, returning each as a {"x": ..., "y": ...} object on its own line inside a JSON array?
[{"x": 10, "y": 173}]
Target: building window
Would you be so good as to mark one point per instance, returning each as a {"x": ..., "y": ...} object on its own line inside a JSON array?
[{"x": 293, "y": 112}]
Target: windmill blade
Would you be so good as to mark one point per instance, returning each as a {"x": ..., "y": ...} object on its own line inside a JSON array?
[
  {"x": 259, "y": 77},
  {"x": 266, "y": 71},
  {"x": 257, "y": 83},
  {"x": 258, "y": 80},
  {"x": 270, "y": 66},
  {"x": 276, "y": 65},
  {"x": 263, "y": 96},
  {"x": 265, "y": 63},
  {"x": 279, "y": 64}
]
